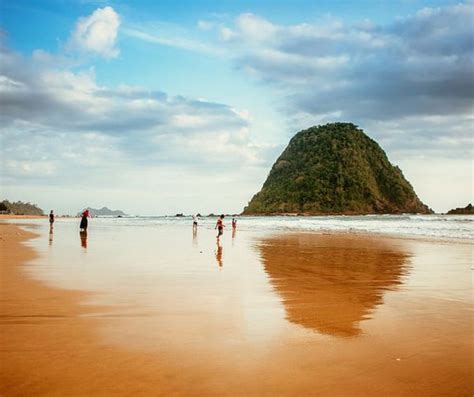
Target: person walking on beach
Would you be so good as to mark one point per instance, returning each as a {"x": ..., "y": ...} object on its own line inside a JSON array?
[
  {"x": 234, "y": 223},
  {"x": 51, "y": 219},
  {"x": 83, "y": 225},
  {"x": 195, "y": 221},
  {"x": 220, "y": 226}
]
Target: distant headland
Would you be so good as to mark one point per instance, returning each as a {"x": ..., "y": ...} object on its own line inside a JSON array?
[
  {"x": 467, "y": 210},
  {"x": 104, "y": 211}
]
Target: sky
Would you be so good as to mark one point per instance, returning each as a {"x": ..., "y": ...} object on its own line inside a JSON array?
[{"x": 183, "y": 106}]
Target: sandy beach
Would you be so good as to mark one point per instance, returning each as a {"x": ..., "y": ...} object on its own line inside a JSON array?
[
  {"x": 236, "y": 198},
  {"x": 129, "y": 311}
]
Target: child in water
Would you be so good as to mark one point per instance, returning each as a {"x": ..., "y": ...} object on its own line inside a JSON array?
[{"x": 220, "y": 226}]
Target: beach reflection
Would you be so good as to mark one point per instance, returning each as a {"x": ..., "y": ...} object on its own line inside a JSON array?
[
  {"x": 219, "y": 254},
  {"x": 331, "y": 283},
  {"x": 282, "y": 319},
  {"x": 83, "y": 235},
  {"x": 50, "y": 239}
]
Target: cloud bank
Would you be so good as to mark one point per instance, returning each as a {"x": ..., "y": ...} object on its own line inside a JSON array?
[
  {"x": 42, "y": 103},
  {"x": 411, "y": 80}
]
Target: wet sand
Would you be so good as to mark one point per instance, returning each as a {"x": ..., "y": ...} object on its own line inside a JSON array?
[
  {"x": 48, "y": 346},
  {"x": 264, "y": 314}
]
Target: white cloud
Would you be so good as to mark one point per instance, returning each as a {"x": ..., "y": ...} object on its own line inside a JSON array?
[
  {"x": 164, "y": 35},
  {"x": 418, "y": 67},
  {"x": 205, "y": 25},
  {"x": 7, "y": 84},
  {"x": 60, "y": 123},
  {"x": 254, "y": 28},
  {"x": 35, "y": 168},
  {"x": 97, "y": 33},
  {"x": 226, "y": 34}
]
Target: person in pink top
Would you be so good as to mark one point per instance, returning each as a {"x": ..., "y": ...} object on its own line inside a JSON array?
[
  {"x": 83, "y": 225},
  {"x": 220, "y": 226}
]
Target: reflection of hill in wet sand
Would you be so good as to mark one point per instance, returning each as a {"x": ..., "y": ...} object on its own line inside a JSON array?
[{"x": 331, "y": 282}]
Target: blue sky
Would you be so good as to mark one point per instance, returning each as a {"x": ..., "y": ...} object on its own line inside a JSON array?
[{"x": 165, "y": 107}]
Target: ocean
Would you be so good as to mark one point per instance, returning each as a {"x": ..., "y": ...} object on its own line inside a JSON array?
[{"x": 439, "y": 226}]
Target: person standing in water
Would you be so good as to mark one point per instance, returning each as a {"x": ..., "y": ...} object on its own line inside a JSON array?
[
  {"x": 220, "y": 226},
  {"x": 83, "y": 225},
  {"x": 195, "y": 222},
  {"x": 234, "y": 223},
  {"x": 51, "y": 219}
]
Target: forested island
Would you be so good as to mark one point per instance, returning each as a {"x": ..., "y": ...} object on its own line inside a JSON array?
[
  {"x": 334, "y": 169},
  {"x": 20, "y": 208}
]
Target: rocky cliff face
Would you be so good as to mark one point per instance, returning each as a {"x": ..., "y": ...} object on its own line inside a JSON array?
[{"x": 334, "y": 169}]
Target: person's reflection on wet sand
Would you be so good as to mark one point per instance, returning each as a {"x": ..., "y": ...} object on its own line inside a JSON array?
[
  {"x": 219, "y": 255},
  {"x": 83, "y": 235},
  {"x": 51, "y": 235},
  {"x": 195, "y": 233},
  {"x": 234, "y": 232},
  {"x": 330, "y": 283}
]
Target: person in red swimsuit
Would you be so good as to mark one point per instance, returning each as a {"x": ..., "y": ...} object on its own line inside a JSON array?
[{"x": 220, "y": 226}]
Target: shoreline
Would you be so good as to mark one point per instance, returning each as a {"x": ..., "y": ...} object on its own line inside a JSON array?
[
  {"x": 287, "y": 230},
  {"x": 392, "y": 236},
  {"x": 13, "y": 216}
]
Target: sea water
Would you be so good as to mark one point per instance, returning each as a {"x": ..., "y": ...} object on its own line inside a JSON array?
[{"x": 439, "y": 226}]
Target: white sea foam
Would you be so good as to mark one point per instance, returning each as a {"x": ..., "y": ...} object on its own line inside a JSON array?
[{"x": 444, "y": 226}]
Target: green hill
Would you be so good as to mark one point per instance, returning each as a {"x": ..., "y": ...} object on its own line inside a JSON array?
[
  {"x": 20, "y": 208},
  {"x": 334, "y": 169}
]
